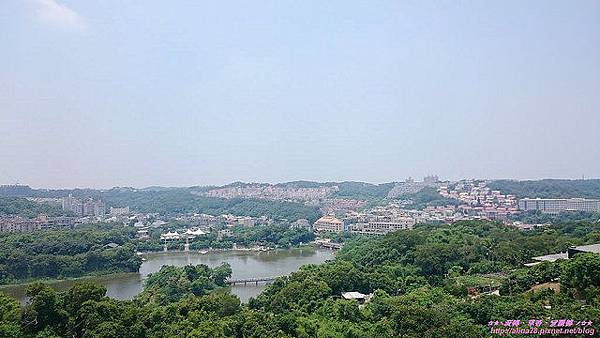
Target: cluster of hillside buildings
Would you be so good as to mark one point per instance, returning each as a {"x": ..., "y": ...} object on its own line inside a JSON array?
[
  {"x": 477, "y": 201},
  {"x": 78, "y": 211},
  {"x": 410, "y": 186},
  {"x": 477, "y": 193},
  {"x": 339, "y": 205},
  {"x": 272, "y": 192}
]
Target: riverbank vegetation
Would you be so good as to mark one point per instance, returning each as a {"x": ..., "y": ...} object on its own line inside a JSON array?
[
  {"x": 97, "y": 249},
  {"x": 418, "y": 279},
  {"x": 67, "y": 253}
]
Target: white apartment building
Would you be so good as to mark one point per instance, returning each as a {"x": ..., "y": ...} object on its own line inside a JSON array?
[
  {"x": 382, "y": 227},
  {"x": 558, "y": 205}
]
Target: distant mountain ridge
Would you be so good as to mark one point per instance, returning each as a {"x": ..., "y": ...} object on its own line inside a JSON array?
[{"x": 543, "y": 188}]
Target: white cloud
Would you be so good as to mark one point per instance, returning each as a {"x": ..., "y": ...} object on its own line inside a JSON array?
[{"x": 55, "y": 14}]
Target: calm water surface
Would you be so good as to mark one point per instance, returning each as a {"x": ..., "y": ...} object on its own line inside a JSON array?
[{"x": 244, "y": 265}]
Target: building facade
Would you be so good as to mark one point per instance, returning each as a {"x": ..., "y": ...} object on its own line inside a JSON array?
[
  {"x": 383, "y": 226},
  {"x": 558, "y": 205},
  {"x": 328, "y": 224},
  {"x": 88, "y": 207},
  {"x": 21, "y": 224}
]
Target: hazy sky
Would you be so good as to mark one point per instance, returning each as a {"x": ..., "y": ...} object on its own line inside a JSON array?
[{"x": 138, "y": 93}]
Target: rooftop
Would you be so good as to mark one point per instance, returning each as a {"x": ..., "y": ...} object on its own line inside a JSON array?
[
  {"x": 595, "y": 248},
  {"x": 552, "y": 257},
  {"x": 329, "y": 219},
  {"x": 353, "y": 295}
]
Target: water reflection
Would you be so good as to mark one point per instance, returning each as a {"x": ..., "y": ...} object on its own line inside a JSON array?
[{"x": 244, "y": 265}]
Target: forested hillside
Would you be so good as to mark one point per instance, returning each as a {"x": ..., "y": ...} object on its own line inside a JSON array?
[
  {"x": 67, "y": 253},
  {"x": 183, "y": 201},
  {"x": 419, "y": 280},
  {"x": 25, "y": 208},
  {"x": 166, "y": 201}
]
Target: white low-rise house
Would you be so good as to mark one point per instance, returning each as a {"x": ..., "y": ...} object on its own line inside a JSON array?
[
  {"x": 353, "y": 295},
  {"x": 159, "y": 223}
]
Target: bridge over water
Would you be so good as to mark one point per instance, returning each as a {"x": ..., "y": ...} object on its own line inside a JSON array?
[{"x": 254, "y": 280}]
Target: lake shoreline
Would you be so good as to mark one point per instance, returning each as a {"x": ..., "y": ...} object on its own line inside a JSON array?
[
  {"x": 236, "y": 250},
  {"x": 51, "y": 281},
  {"x": 245, "y": 264},
  {"x": 146, "y": 253}
]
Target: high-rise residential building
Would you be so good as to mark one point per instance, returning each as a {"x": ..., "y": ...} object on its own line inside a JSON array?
[
  {"x": 89, "y": 207},
  {"x": 72, "y": 205},
  {"x": 94, "y": 208}
]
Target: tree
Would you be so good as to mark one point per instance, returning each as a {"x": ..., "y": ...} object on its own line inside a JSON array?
[
  {"x": 582, "y": 271},
  {"x": 10, "y": 315},
  {"x": 44, "y": 310},
  {"x": 221, "y": 273},
  {"x": 80, "y": 293}
]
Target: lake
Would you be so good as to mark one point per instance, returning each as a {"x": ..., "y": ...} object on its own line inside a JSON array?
[{"x": 245, "y": 264}]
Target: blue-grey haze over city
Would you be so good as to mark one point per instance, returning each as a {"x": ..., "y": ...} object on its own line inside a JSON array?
[{"x": 175, "y": 93}]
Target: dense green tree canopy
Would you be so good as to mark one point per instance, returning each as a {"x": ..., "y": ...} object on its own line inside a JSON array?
[
  {"x": 418, "y": 281},
  {"x": 67, "y": 253},
  {"x": 23, "y": 207}
]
